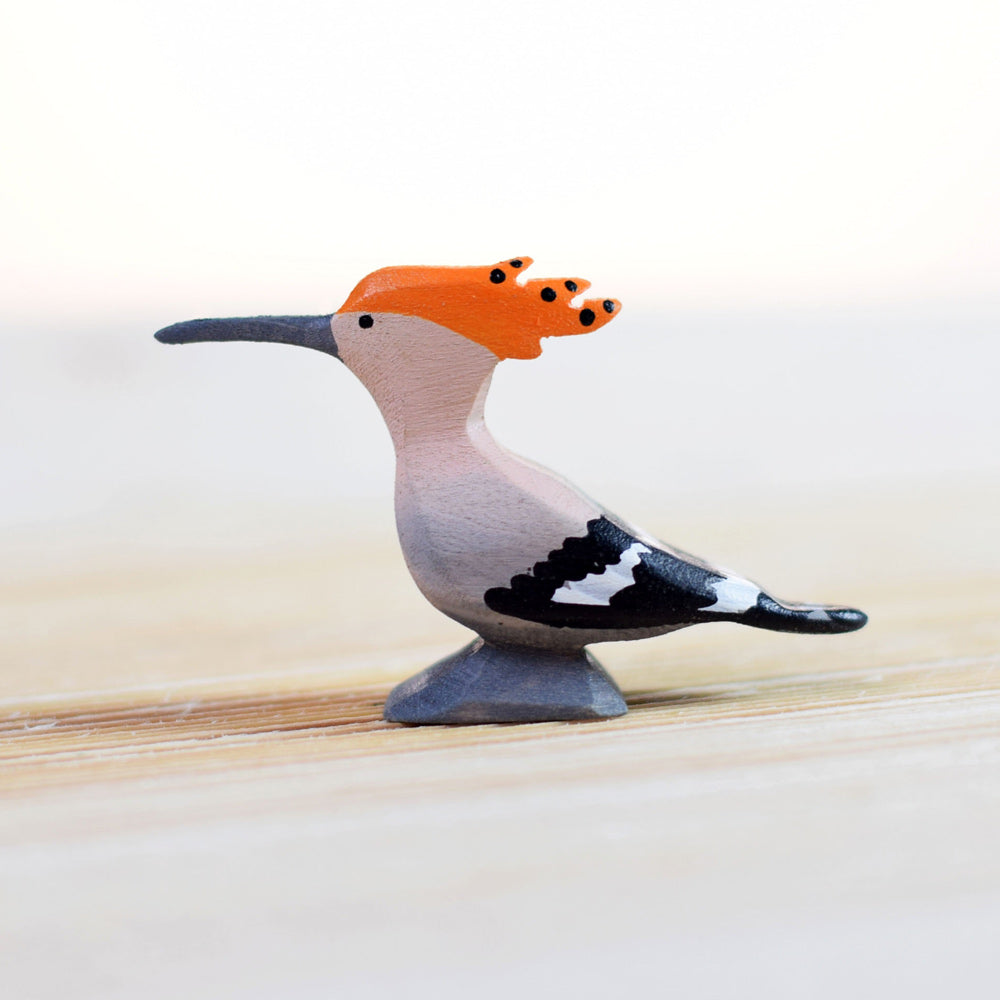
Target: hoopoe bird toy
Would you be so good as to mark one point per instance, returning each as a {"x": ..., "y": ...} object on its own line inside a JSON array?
[{"x": 507, "y": 548}]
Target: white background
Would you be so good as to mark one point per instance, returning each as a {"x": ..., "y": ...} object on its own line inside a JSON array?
[{"x": 797, "y": 204}]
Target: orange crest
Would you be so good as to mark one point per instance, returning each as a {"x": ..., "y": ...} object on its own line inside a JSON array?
[{"x": 485, "y": 304}]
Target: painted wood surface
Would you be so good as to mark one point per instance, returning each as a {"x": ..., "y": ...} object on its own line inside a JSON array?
[
  {"x": 513, "y": 551},
  {"x": 199, "y": 796}
]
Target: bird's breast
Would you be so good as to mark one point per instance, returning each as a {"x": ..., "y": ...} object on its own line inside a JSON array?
[{"x": 472, "y": 517}]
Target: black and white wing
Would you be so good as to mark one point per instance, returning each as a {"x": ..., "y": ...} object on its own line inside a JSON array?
[{"x": 609, "y": 578}]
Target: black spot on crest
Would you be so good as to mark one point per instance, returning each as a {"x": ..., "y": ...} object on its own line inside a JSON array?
[
  {"x": 548, "y": 294},
  {"x": 587, "y": 316},
  {"x": 517, "y": 263},
  {"x": 609, "y": 306},
  {"x": 571, "y": 285},
  {"x": 497, "y": 276}
]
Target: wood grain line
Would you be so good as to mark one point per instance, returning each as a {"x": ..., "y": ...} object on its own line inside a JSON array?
[{"x": 137, "y": 738}]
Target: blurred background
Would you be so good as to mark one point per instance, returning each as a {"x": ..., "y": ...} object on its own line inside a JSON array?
[{"x": 797, "y": 203}]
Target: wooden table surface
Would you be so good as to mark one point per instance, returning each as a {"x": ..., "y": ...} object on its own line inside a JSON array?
[{"x": 199, "y": 797}]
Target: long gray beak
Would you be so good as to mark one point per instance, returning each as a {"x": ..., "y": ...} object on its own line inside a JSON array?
[{"x": 303, "y": 331}]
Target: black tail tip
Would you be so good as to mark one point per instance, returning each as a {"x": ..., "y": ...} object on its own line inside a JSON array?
[
  {"x": 814, "y": 619},
  {"x": 848, "y": 619}
]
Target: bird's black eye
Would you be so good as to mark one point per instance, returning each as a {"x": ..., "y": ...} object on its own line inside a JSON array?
[
  {"x": 497, "y": 276},
  {"x": 365, "y": 321}
]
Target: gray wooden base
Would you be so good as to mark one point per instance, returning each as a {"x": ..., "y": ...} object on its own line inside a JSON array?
[{"x": 484, "y": 683}]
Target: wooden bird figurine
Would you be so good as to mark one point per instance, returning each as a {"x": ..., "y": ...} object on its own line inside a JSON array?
[{"x": 504, "y": 546}]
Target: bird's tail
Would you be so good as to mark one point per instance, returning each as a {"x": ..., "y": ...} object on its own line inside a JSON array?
[{"x": 816, "y": 619}]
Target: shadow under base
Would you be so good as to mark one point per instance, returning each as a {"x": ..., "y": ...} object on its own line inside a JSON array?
[{"x": 484, "y": 683}]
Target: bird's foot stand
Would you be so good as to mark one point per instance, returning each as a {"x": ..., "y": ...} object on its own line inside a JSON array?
[{"x": 487, "y": 683}]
